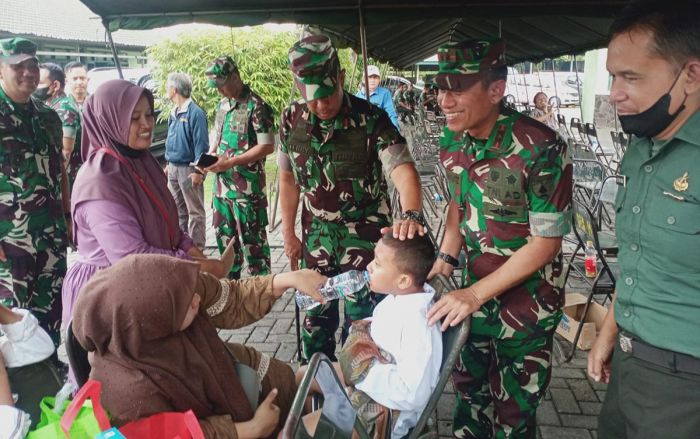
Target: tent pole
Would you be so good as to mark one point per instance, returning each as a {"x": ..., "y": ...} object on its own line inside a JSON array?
[
  {"x": 354, "y": 69},
  {"x": 578, "y": 89},
  {"x": 363, "y": 43},
  {"x": 114, "y": 49},
  {"x": 556, "y": 93}
]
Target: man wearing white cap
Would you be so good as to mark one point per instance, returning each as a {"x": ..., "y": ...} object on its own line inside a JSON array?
[{"x": 379, "y": 96}]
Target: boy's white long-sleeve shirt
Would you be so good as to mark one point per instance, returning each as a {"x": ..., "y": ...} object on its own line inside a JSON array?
[
  {"x": 400, "y": 327},
  {"x": 24, "y": 342}
]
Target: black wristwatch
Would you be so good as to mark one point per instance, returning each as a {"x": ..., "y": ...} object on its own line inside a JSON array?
[
  {"x": 448, "y": 258},
  {"x": 414, "y": 215}
]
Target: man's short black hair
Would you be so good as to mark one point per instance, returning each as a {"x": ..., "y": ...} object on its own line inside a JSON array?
[
  {"x": 73, "y": 65},
  {"x": 675, "y": 26},
  {"x": 414, "y": 257},
  {"x": 55, "y": 72},
  {"x": 492, "y": 75}
]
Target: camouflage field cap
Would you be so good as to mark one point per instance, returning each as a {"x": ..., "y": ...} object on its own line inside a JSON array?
[
  {"x": 314, "y": 63},
  {"x": 15, "y": 50},
  {"x": 219, "y": 70},
  {"x": 460, "y": 64}
]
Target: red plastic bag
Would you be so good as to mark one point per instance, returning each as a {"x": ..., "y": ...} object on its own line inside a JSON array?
[{"x": 169, "y": 425}]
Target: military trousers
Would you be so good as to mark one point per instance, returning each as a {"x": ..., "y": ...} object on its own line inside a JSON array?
[
  {"x": 645, "y": 401},
  {"x": 33, "y": 280},
  {"x": 244, "y": 220},
  {"x": 331, "y": 249},
  {"x": 499, "y": 383}
]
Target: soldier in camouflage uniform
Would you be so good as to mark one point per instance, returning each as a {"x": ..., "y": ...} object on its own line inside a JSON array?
[
  {"x": 333, "y": 150},
  {"x": 51, "y": 89},
  {"x": 33, "y": 233},
  {"x": 242, "y": 137},
  {"x": 510, "y": 180}
]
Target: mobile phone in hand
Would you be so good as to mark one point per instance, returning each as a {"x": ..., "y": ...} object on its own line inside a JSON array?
[{"x": 205, "y": 160}]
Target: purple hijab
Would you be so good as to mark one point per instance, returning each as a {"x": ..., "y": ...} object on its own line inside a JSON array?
[{"x": 106, "y": 121}]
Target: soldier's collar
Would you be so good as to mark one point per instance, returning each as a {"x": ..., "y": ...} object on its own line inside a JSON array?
[
  {"x": 342, "y": 120},
  {"x": 245, "y": 94},
  {"x": 500, "y": 139},
  {"x": 56, "y": 98},
  {"x": 15, "y": 106}
]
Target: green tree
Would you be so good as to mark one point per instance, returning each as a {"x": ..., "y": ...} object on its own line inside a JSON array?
[{"x": 261, "y": 56}]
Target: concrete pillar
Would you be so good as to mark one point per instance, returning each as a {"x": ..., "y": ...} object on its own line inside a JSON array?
[{"x": 596, "y": 81}]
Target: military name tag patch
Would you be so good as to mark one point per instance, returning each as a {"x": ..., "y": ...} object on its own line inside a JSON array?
[{"x": 504, "y": 185}]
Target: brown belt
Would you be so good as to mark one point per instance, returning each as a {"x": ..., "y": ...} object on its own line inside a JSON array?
[{"x": 673, "y": 361}]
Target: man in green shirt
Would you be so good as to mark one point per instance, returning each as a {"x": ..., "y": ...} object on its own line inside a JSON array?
[{"x": 653, "y": 325}]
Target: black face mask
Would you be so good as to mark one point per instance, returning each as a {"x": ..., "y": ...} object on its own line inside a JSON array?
[
  {"x": 655, "y": 119},
  {"x": 42, "y": 94}
]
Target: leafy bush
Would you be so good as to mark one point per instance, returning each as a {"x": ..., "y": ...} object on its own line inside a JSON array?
[{"x": 261, "y": 56}]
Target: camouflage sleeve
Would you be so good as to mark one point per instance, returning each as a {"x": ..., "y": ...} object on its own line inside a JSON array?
[
  {"x": 283, "y": 160},
  {"x": 70, "y": 121},
  {"x": 263, "y": 120},
  {"x": 550, "y": 191},
  {"x": 215, "y": 133},
  {"x": 391, "y": 146}
]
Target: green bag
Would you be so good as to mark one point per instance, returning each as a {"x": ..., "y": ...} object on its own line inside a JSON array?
[{"x": 79, "y": 418}]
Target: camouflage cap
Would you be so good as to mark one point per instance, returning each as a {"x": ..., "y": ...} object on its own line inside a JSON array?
[
  {"x": 15, "y": 50},
  {"x": 460, "y": 64},
  {"x": 314, "y": 64},
  {"x": 219, "y": 70}
]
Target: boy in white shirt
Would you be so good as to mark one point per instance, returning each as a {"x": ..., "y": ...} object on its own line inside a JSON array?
[{"x": 391, "y": 361}]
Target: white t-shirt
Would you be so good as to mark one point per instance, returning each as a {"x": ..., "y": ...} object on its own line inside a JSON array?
[{"x": 400, "y": 327}]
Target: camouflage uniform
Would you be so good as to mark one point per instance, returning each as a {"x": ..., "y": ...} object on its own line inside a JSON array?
[
  {"x": 70, "y": 116},
  {"x": 509, "y": 187},
  {"x": 240, "y": 202},
  {"x": 337, "y": 165},
  {"x": 32, "y": 225}
]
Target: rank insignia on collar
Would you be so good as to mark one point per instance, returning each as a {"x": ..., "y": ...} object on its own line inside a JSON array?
[{"x": 681, "y": 183}]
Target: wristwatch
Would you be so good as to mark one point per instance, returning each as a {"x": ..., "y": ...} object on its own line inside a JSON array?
[
  {"x": 414, "y": 215},
  {"x": 448, "y": 258}
]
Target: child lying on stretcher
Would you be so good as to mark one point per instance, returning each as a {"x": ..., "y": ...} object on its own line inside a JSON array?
[{"x": 391, "y": 361}]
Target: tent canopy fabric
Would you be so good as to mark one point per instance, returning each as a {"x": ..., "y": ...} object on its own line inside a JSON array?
[{"x": 401, "y": 32}]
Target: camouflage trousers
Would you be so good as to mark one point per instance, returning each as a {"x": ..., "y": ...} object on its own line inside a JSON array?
[
  {"x": 243, "y": 220},
  {"x": 331, "y": 249},
  {"x": 33, "y": 281},
  {"x": 502, "y": 374}
]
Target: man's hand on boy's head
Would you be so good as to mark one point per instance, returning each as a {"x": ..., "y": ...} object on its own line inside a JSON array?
[
  {"x": 403, "y": 229},
  {"x": 455, "y": 307}
]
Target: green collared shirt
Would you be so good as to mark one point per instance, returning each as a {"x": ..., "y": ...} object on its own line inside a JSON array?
[{"x": 658, "y": 231}]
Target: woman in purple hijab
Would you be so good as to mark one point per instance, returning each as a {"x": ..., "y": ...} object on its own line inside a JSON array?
[{"x": 120, "y": 203}]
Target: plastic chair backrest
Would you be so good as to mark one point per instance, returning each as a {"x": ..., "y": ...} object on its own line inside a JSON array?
[
  {"x": 582, "y": 151},
  {"x": 588, "y": 171},
  {"x": 77, "y": 357},
  {"x": 452, "y": 341},
  {"x": 608, "y": 190},
  {"x": 584, "y": 225}
]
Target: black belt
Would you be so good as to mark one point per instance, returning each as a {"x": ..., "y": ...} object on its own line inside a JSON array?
[{"x": 673, "y": 361}]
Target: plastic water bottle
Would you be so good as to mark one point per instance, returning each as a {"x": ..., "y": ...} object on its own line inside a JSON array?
[
  {"x": 590, "y": 260},
  {"x": 335, "y": 288}
]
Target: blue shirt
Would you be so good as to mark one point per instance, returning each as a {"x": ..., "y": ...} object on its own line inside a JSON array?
[
  {"x": 381, "y": 97},
  {"x": 187, "y": 134}
]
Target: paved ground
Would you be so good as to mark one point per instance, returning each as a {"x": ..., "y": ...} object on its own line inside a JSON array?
[
  {"x": 569, "y": 411},
  {"x": 571, "y": 404}
]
